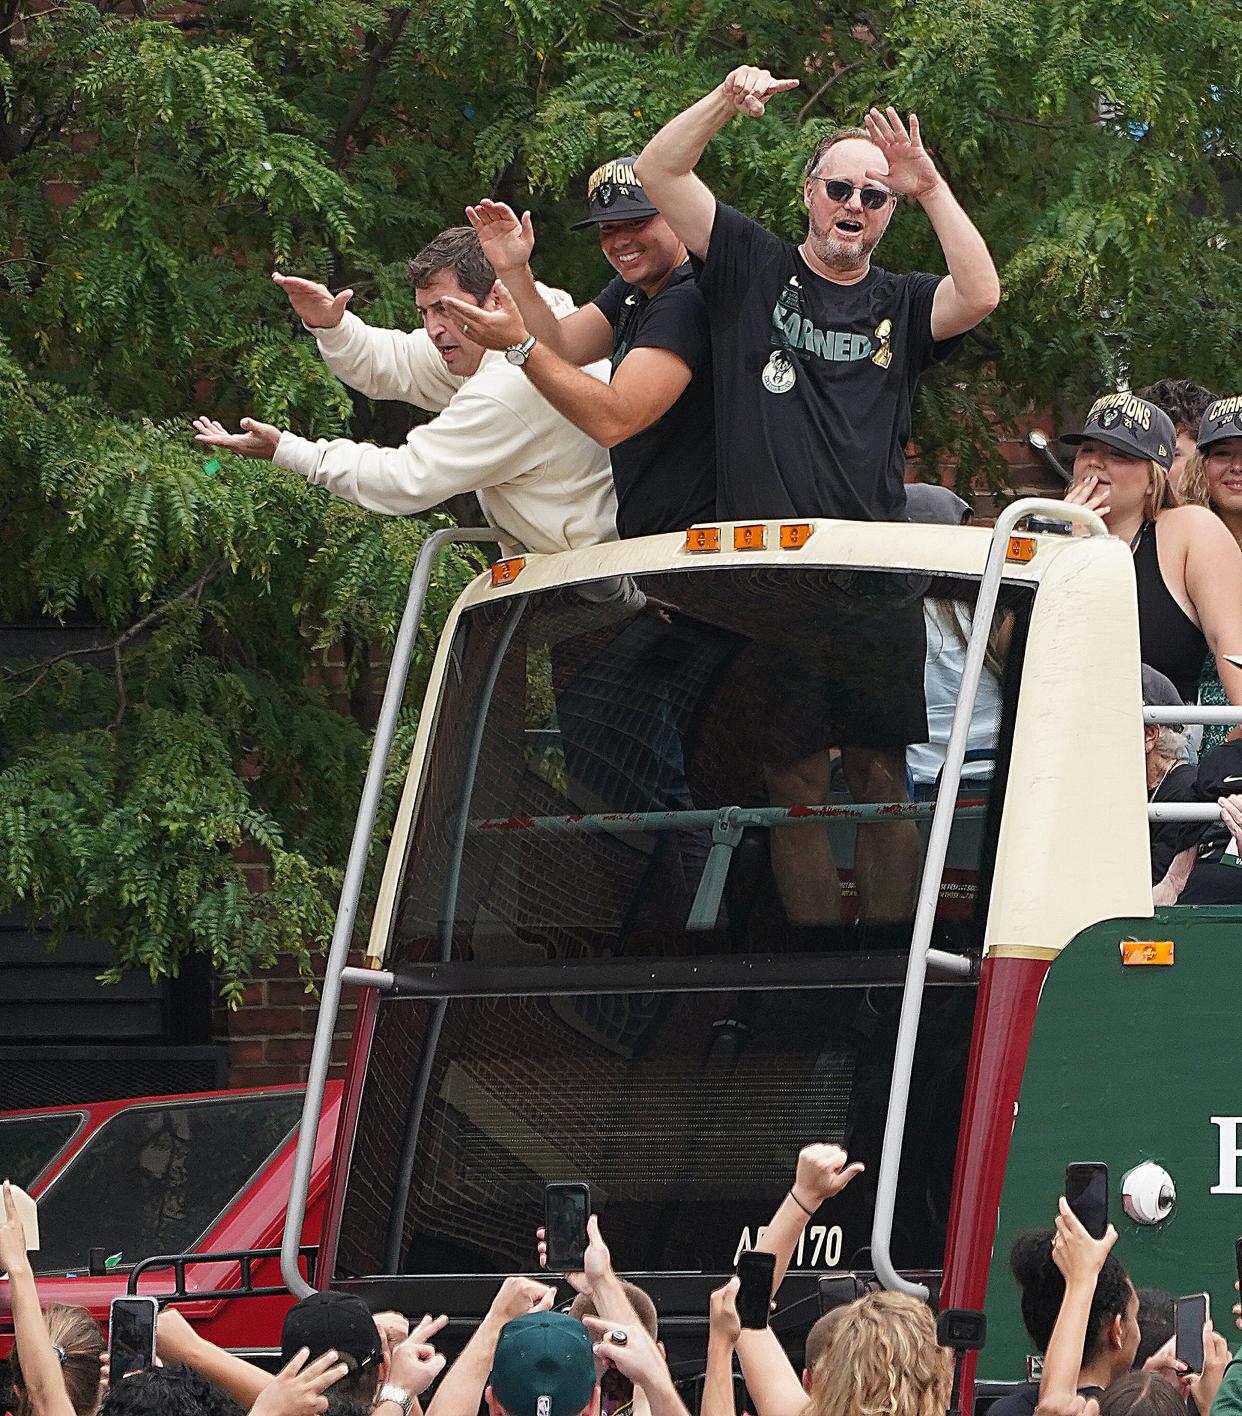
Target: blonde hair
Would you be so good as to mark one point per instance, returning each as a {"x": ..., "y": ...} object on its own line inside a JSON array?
[
  {"x": 1162, "y": 496},
  {"x": 77, "y": 1334},
  {"x": 883, "y": 1361},
  {"x": 1193, "y": 486}
]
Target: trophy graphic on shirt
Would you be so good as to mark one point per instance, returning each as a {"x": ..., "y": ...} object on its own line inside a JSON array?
[{"x": 883, "y": 356}]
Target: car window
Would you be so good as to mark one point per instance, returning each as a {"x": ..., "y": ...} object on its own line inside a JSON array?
[
  {"x": 29, "y": 1144},
  {"x": 154, "y": 1179}
]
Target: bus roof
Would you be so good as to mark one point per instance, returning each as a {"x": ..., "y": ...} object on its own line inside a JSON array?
[
  {"x": 1079, "y": 817},
  {"x": 944, "y": 550}
]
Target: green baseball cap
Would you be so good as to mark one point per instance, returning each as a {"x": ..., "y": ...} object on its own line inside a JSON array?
[{"x": 544, "y": 1366}]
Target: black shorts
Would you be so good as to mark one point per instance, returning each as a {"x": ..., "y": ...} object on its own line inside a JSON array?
[{"x": 863, "y": 686}]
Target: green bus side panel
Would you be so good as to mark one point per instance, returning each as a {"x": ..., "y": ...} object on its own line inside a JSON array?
[{"x": 1129, "y": 1064}]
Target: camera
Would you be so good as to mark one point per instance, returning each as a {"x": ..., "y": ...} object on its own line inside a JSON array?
[{"x": 962, "y": 1329}]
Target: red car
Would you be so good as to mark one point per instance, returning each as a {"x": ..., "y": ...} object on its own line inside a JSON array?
[{"x": 205, "y": 1173}]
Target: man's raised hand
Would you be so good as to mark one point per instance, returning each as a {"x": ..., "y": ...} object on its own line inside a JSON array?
[
  {"x": 314, "y": 304},
  {"x": 496, "y": 324},
  {"x": 414, "y": 1365},
  {"x": 748, "y": 89},
  {"x": 823, "y": 1171},
  {"x": 255, "y": 439},
  {"x": 910, "y": 168},
  {"x": 508, "y": 243},
  {"x": 517, "y": 1296}
]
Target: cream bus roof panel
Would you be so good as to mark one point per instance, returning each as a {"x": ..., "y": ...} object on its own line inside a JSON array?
[
  {"x": 885, "y": 545},
  {"x": 1082, "y": 654}
]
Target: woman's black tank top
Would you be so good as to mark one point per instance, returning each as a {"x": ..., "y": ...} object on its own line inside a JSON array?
[{"x": 1169, "y": 639}]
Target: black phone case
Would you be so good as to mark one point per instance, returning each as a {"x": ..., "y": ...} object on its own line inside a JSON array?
[{"x": 754, "y": 1295}]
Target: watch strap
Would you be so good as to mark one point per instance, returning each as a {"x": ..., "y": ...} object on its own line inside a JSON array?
[{"x": 397, "y": 1395}]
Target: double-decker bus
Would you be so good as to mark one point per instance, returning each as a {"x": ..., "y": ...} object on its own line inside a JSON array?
[{"x": 658, "y": 910}]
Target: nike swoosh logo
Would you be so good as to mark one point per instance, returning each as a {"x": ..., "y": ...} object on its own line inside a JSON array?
[
  {"x": 1231, "y": 779},
  {"x": 630, "y": 300}
]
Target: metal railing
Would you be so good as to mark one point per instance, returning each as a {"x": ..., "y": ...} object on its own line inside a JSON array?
[
  {"x": 933, "y": 871},
  {"x": 245, "y": 1257},
  {"x": 351, "y": 888}
]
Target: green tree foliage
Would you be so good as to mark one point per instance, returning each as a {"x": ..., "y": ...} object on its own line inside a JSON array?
[{"x": 159, "y": 160}]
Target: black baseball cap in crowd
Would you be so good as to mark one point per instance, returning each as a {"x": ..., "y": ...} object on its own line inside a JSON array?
[
  {"x": 1159, "y": 692},
  {"x": 1222, "y": 420},
  {"x": 614, "y": 194},
  {"x": 1131, "y": 425},
  {"x": 544, "y": 1366},
  {"x": 329, "y": 1321}
]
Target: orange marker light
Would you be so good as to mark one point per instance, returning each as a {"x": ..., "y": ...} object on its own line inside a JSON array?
[
  {"x": 1138, "y": 952},
  {"x": 794, "y": 537},
  {"x": 507, "y": 571},
  {"x": 750, "y": 538},
  {"x": 1021, "y": 549},
  {"x": 703, "y": 538}
]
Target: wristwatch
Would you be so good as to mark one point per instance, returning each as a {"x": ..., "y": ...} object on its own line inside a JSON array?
[
  {"x": 397, "y": 1395},
  {"x": 519, "y": 353}
]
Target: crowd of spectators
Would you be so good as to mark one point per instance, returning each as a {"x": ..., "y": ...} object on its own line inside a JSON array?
[{"x": 1107, "y": 1348}]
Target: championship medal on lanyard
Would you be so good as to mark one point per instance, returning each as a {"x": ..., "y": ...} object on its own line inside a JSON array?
[{"x": 779, "y": 374}]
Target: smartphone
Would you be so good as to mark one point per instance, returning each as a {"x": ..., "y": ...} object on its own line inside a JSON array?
[
  {"x": 835, "y": 1290},
  {"x": 754, "y": 1295},
  {"x": 566, "y": 1209},
  {"x": 1189, "y": 1315},
  {"x": 1086, "y": 1193},
  {"x": 131, "y": 1336},
  {"x": 1237, "y": 1257}
]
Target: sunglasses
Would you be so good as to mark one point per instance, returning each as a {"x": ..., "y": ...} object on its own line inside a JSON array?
[{"x": 873, "y": 198}]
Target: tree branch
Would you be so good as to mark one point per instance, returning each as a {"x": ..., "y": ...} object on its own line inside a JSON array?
[
  {"x": 1035, "y": 122},
  {"x": 45, "y": 666},
  {"x": 823, "y": 89},
  {"x": 381, "y": 52}
]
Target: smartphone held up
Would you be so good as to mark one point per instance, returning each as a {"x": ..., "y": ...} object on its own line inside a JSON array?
[
  {"x": 131, "y": 1336},
  {"x": 754, "y": 1295},
  {"x": 1086, "y": 1193},
  {"x": 566, "y": 1209}
]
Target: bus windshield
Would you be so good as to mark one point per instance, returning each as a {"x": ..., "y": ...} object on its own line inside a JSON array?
[{"x": 733, "y": 768}]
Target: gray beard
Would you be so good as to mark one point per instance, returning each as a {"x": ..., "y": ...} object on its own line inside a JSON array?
[{"x": 835, "y": 254}]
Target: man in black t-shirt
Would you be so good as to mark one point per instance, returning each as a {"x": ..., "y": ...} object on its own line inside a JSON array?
[
  {"x": 816, "y": 355},
  {"x": 656, "y": 414},
  {"x": 817, "y": 352}
]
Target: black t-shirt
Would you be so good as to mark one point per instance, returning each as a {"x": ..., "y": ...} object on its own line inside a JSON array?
[
  {"x": 1025, "y": 1399},
  {"x": 814, "y": 381},
  {"x": 1217, "y": 773},
  {"x": 666, "y": 475}
]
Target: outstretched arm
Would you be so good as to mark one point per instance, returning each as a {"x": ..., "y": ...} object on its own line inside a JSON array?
[
  {"x": 461, "y": 1388},
  {"x": 1080, "y": 1259},
  {"x": 44, "y": 1381},
  {"x": 666, "y": 165},
  {"x": 380, "y": 363},
  {"x": 971, "y": 291},
  {"x": 508, "y": 243},
  {"x": 822, "y": 1171},
  {"x": 645, "y": 386}
]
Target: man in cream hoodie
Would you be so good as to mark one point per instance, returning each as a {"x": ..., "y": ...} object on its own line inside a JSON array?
[{"x": 543, "y": 484}]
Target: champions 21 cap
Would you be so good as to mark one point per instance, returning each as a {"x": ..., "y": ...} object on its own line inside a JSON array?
[
  {"x": 614, "y": 194},
  {"x": 329, "y": 1321},
  {"x": 544, "y": 1366},
  {"x": 1131, "y": 425},
  {"x": 1222, "y": 420}
]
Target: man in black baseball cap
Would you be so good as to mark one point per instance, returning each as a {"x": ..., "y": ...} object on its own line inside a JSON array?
[
  {"x": 655, "y": 415},
  {"x": 340, "y": 1322}
]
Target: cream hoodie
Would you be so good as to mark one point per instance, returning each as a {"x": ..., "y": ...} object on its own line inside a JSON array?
[{"x": 542, "y": 483}]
